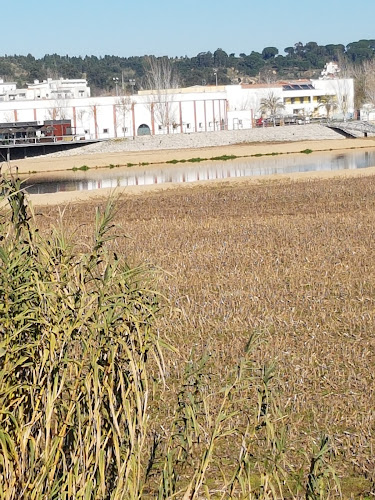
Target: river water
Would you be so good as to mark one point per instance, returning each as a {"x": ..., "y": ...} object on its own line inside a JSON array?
[{"x": 202, "y": 171}]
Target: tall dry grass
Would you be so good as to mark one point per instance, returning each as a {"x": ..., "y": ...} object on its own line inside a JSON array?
[
  {"x": 289, "y": 261},
  {"x": 75, "y": 335},
  {"x": 270, "y": 315},
  {"x": 82, "y": 384}
]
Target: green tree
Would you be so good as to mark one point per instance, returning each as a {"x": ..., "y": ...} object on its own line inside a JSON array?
[
  {"x": 360, "y": 51},
  {"x": 289, "y": 51},
  {"x": 252, "y": 64},
  {"x": 335, "y": 50},
  {"x": 220, "y": 58},
  {"x": 205, "y": 59},
  {"x": 269, "y": 53}
]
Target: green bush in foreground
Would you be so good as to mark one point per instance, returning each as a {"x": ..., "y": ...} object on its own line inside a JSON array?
[{"x": 78, "y": 419}]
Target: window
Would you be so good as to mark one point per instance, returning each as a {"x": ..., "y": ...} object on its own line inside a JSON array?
[
  {"x": 301, "y": 100},
  {"x": 293, "y": 100},
  {"x": 124, "y": 129},
  {"x": 160, "y": 127},
  {"x": 105, "y": 130},
  {"x": 200, "y": 125},
  {"x": 188, "y": 125},
  {"x": 87, "y": 131}
]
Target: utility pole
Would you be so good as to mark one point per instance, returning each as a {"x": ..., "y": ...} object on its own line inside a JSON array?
[{"x": 115, "y": 79}]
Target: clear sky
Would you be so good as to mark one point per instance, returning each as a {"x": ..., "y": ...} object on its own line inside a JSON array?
[{"x": 179, "y": 27}]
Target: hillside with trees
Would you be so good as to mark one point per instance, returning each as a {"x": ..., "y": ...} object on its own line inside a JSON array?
[{"x": 298, "y": 61}]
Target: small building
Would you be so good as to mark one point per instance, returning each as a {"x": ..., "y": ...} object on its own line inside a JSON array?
[
  {"x": 6, "y": 88},
  {"x": 58, "y": 89},
  {"x": 47, "y": 89}
]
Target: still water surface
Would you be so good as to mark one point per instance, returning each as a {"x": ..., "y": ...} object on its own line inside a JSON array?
[{"x": 203, "y": 171}]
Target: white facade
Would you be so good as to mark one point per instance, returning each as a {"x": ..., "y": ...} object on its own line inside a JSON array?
[
  {"x": 311, "y": 103},
  {"x": 194, "y": 109},
  {"x": 298, "y": 98},
  {"x": 47, "y": 89},
  {"x": 6, "y": 88}
]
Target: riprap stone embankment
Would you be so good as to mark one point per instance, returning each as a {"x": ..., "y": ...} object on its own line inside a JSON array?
[{"x": 311, "y": 132}]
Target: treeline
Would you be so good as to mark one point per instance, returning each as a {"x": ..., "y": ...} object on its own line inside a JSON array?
[{"x": 102, "y": 72}]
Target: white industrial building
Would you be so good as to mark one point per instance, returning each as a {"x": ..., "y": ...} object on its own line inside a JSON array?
[{"x": 184, "y": 110}]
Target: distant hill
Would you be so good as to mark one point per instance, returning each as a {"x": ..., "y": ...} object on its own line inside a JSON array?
[{"x": 266, "y": 66}]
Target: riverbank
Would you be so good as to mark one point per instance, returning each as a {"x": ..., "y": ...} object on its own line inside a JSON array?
[
  {"x": 67, "y": 161},
  {"x": 117, "y": 154},
  {"x": 310, "y": 132}
]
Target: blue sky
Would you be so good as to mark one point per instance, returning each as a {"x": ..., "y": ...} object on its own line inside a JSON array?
[{"x": 179, "y": 27}]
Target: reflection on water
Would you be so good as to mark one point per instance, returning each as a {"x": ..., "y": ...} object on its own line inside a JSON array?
[{"x": 205, "y": 171}]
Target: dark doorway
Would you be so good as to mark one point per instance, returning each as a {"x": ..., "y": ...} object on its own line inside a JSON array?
[{"x": 144, "y": 130}]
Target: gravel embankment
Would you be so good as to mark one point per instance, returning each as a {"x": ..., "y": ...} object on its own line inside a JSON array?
[{"x": 292, "y": 133}]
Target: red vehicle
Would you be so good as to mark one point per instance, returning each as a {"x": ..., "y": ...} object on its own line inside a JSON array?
[{"x": 265, "y": 122}]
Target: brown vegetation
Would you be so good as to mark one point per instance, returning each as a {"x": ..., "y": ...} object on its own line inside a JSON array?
[{"x": 292, "y": 263}]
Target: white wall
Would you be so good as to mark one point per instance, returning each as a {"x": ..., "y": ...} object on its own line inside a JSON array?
[{"x": 232, "y": 107}]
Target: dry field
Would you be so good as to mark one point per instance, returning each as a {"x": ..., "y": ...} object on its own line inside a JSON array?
[{"x": 292, "y": 263}]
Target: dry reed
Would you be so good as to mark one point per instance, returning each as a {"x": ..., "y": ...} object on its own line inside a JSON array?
[{"x": 287, "y": 268}]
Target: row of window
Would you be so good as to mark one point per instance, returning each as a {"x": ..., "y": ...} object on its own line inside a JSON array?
[
  {"x": 200, "y": 125},
  {"x": 13, "y": 97},
  {"x": 188, "y": 126},
  {"x": 302, "y": 100},
  {"x": 293, "y": 100}
]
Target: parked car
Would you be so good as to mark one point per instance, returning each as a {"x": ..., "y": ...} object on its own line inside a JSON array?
[
  {"x": 303, "y": 119},
  {"x": 270, "y": 121},
  {"x": 290, "y": 120}
]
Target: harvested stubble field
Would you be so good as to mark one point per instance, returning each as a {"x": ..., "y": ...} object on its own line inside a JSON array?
[{"x": 292, "y": 262}]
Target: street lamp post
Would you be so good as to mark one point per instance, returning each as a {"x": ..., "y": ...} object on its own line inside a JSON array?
[
  {"x": 132, "y": 83},
  {"x": 116, "y": 80}
]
